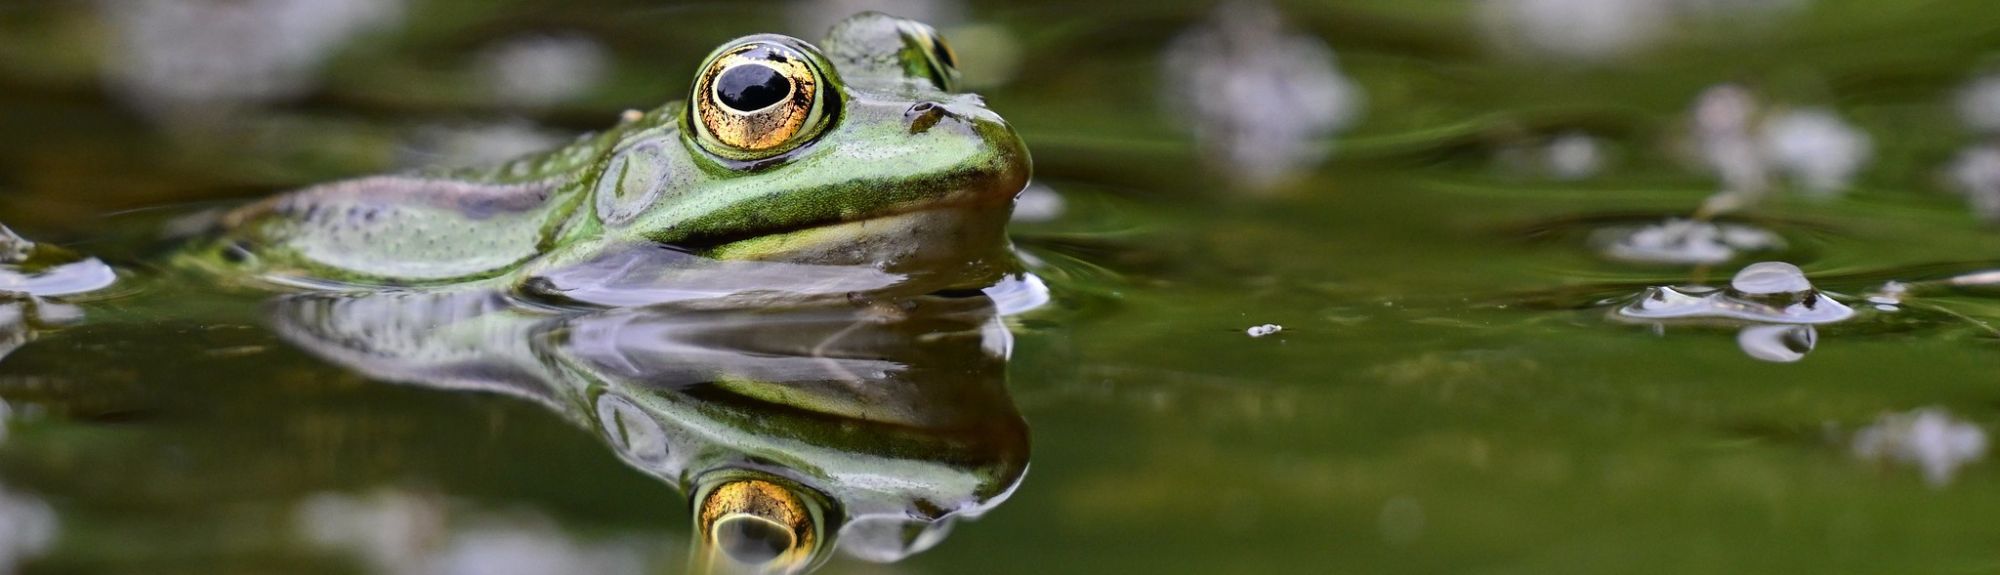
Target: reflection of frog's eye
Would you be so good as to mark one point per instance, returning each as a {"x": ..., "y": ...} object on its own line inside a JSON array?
[
  {"x": 758, "y": 99},
  {"x": 757, "y": 523}
]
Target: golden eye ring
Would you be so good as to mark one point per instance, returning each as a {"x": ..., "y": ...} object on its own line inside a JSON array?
[
  {"x": 757, "y": 99},
  {"x": 757, "y": 522}
]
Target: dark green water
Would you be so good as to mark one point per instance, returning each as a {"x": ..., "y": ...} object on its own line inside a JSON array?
[{"x": 1448, "y": 393}]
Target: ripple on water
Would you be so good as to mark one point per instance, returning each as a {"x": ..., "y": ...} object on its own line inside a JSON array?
[
  {"x": 47, "y": 271},
  {"x": 1767, "y": 292}
]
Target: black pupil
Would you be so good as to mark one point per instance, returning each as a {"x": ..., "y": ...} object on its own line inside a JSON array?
[{"x": 751, "y": 87}]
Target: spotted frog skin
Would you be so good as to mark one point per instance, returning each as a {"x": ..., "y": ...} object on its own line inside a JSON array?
[{"x": 787, "y": 160}]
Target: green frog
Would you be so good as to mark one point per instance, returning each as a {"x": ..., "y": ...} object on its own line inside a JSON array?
[{"x": 853, "y": 166}]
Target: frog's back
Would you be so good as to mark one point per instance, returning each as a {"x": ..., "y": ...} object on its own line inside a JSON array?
[
  {"x": 394, "y": 229},
  {"x": 414, "y": 229}
]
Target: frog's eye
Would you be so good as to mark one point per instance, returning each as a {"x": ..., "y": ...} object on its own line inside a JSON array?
[
  {"x": 940, "y": 62},
  {"x": 757, "y": 523},
  {"x": 757, "y": 99}
]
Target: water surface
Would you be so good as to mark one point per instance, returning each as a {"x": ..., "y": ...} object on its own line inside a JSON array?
[{"x": 1450, "y": 390}]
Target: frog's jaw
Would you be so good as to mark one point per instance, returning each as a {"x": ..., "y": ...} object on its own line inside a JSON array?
[
  {"x": 952, "y": 246},
  {"x": 943, "y": 220}
]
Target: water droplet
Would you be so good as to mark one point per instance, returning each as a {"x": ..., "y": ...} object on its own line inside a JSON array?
[{"x": 1770, "y": 279}]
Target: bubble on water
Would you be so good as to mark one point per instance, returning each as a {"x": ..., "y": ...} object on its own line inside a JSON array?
[
  {"x": 1264, "y": 330},
  {"x": 1929, "y": 438},
  {"x": 1976, "y": 175},
  {"x": 1770, "y": 279},
  {"x": 1685, "y": 242},
  {"x": 1979, "y": 103},
  {"x": 1262, "y": 100},
  {"x": 1770, "y": 292},
  {"x": 175, "y": 56},
  {"x": 1818, "y": 150},
  {"x": 1777, "y": 343},
  {"x": 542, "y": 71}
]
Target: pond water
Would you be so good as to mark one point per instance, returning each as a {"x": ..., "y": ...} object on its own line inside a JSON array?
[{"x": 1348, "y": 286}]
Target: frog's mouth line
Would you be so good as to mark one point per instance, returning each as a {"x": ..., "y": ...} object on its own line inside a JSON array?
[
  {"x": 730, "y": 246},
  {"x": 928, "y": 238}
]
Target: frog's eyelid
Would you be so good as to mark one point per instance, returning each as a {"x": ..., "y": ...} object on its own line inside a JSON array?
[{"x": 945, "y": 54}]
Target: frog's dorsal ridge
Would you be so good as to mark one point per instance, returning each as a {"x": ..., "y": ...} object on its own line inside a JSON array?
[{"x": 397, "y": 226}]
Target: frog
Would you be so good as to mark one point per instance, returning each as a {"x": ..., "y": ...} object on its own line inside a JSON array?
[{"x": 857, "y": 165}]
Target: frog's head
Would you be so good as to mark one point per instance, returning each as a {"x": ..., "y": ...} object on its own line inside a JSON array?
[{"x": 858, "y": 152}]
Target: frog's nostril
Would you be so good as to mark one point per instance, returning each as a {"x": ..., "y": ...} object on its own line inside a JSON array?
[{"x": 923, "y": 115}]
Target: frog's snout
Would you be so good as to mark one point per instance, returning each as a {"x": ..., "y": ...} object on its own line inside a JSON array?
[
  {"x": 995, "y": 167},
  {"x": 922, "y": 115},
  {"x": 1005, "y": 166}
]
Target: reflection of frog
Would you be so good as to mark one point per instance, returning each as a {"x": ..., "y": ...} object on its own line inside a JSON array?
[
  {"x": 869, "y": 428},
  {"x": 852, "y": 166}
]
